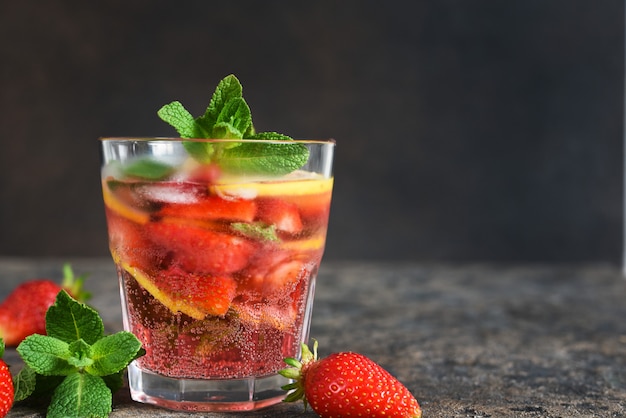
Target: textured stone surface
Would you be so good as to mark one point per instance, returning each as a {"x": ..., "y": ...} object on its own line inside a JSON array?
[{"x": 473, "y": 340}]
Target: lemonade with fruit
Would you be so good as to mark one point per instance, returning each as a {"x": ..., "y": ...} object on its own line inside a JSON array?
[{"x": 217, "y": 242}]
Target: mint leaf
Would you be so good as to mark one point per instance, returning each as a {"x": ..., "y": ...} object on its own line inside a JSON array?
[
  {"x": 75, "y": 364},
  {"x": 176, "y": 115},
  {"x": 224, "y": 130},
  {"x": 24, "y": 383},
  {"x": 69, "y": 321},
  {"x": 113, "y": 353},
  {"x": 235, "y": 114},
  {"x": 261, "y": 158},
  {"x": 228, "y": 88},
  {"x": 81, "y": 395},
  {"x": 271, "y": 136},
  {"x": 80, "y": 354},
  {"x": 148, "y": 169},
  {"x": 228, "y": 116},
  {"x": 257, "y": 230},
  {"x": 46, "y": 355}
]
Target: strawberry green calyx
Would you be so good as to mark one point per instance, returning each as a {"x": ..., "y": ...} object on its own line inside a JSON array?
[
  {"x": 74, "y": 284},
  {"x": 296, "y": 372}
]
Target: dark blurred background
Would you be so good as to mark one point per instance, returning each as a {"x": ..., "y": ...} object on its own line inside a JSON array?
[{"x": 467, "y": 130}]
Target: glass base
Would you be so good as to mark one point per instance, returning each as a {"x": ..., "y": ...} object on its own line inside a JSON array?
[{"x": 205, "y": 395}]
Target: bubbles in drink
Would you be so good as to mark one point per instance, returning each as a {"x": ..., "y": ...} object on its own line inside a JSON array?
[{"x": 216, "y": 282}]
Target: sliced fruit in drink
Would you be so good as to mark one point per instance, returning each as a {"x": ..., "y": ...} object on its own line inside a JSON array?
[
  {"x": 127, "y": 241},
  {"x": 315, "y": 209},
  {"x": 201, "y": 250},
  {"x": 192, "y": 294},
  {"x": 313, "y": 243},
  {"x": 118, "y": 202},
  {"x": 284, "y": 215},
  {"x": 273, "y": 188},
  {"x": 272, "y": 275},
  {"x": 213, "y": 207}
]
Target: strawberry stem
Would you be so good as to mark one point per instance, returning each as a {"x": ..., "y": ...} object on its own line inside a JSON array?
[
  {"x": 74, "y": 285},
  {"x": 296, "y": 373}
]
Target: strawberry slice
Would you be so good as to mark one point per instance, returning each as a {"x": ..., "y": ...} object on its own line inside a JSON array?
[
  {"x": 211, "y": 294},
  {"x": 127, "y": 241},
  {"x": 284, "y": 215},
  {"x": 198, "y": 249},
  {"x": 196, "y": 295},
  {"x": 213, "y": 207},
  {"x": 315, "y": 208}
]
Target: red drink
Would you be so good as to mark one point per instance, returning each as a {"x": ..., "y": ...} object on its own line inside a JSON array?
[{"x": 217, "y": 275}]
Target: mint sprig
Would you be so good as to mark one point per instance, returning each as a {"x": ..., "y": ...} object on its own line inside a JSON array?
[
  {"x": 228, "y": 116},
  {"x": 75, "y": 362}
]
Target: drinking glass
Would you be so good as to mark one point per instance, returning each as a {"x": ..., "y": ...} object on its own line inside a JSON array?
[{"x": 217, "y": 263}]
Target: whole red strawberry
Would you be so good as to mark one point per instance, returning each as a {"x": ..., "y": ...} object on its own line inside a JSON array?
[
  {"x": 6, "y": 385},
  {"x": 347, "y": 385},
  {"x": 23, "y": 312}
]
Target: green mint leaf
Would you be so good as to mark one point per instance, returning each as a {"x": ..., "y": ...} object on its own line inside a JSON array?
[
  {"x": 228, "y": 116},
  {"x": 113, "y": 353},
  {"x": 228, "y": 88},
  {"x": 176, "y": 115},
  {"x": 46, "y": 355},
  {"x": 270, "y": 136},
  {"x": 148, "y": 169},
  {"x": 224, "y": 130},
  {"x": 81, "y": 395},
  {"x": 67, "y": 363},
  {"x": 69, "y": 321},
  {"x": 257, "y": 230},
  {"x": 24, "y": 383},
  {"x": 250, "y": 132},
  {"x": 261, "y": 158},
  {"x": 235, "y": 114},
  {"x": 80, "y": 354}
]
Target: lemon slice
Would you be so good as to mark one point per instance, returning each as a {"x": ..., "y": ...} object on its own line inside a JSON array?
[
  {"x": 173, "y": 304},
  {"x": 273, "y": 188},
  {"x": 314, "y": 243},
  {"x": 121, "y": 208}
]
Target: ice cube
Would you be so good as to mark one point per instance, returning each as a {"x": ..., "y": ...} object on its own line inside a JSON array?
[{"x": 171, "y": 192}]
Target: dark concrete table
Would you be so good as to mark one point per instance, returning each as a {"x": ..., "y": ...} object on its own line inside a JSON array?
[{"x": 474, "y": 340}]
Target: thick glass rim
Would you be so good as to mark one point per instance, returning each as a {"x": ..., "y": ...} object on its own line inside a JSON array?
[{"x": 176, "y": 139}]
